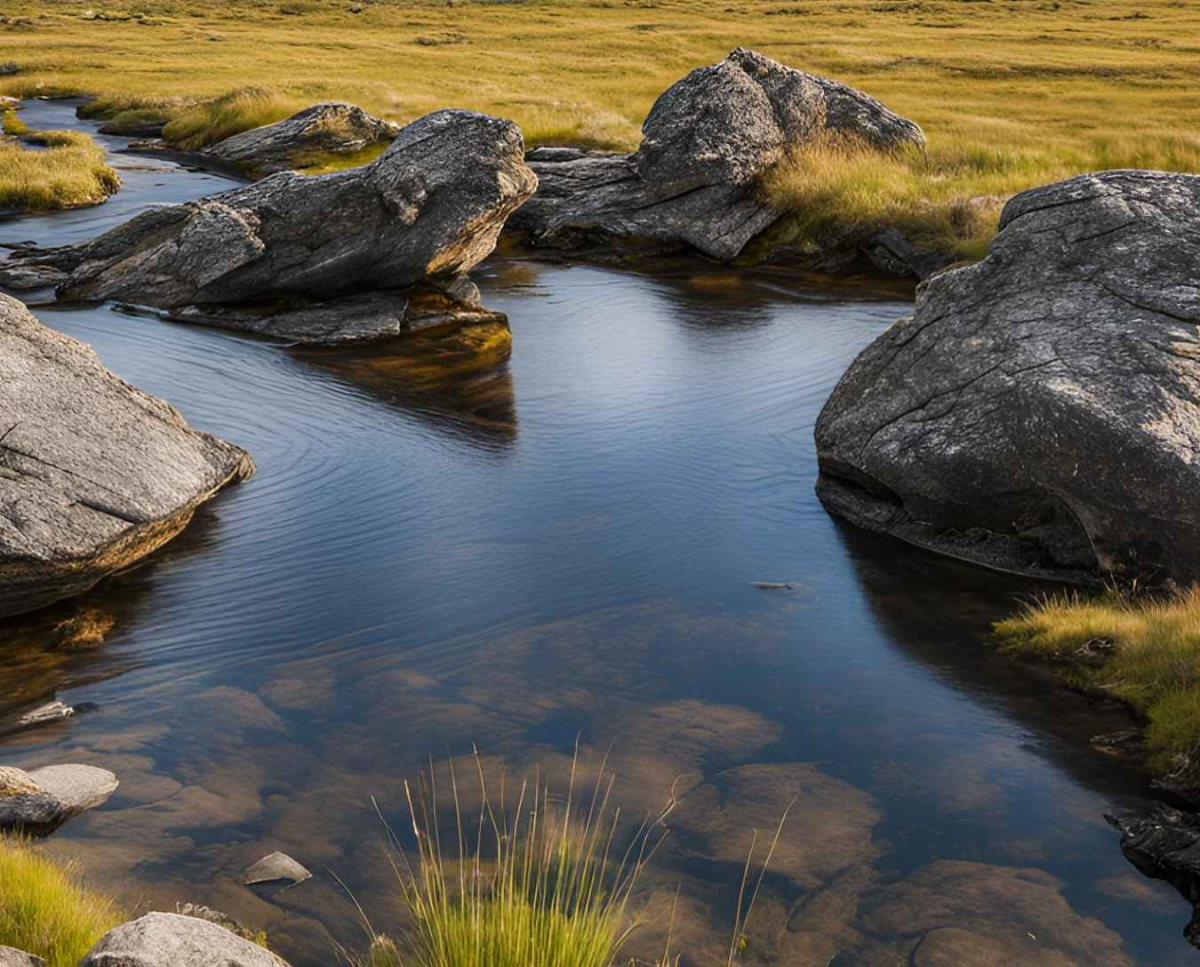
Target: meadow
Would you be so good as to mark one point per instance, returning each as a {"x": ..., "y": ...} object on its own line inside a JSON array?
[{"x": 1011, "y": 93}]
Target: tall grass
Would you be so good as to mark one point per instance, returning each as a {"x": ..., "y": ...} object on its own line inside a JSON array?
[
  {"x": 44, "y": 910},
  {"x": 1142, "y": 651},
  {"x": 71, "y": 172},
  {"x": 551, "y": 883},
  {"x": 207, "y": 122}
]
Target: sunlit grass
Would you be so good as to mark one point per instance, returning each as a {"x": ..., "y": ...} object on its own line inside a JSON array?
[
  {"x": 210, "y": 121},
  {"x": 13, "y": 125},
  {"x": 44, "y": 910},
  {"x": 1143, "y": 651},
  {"x": 70, "y": 172}
]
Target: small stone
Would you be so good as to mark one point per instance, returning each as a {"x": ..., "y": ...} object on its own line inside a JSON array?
[
  {"x": 275, "y": 867},
  {"x": 41, "y": 801}
]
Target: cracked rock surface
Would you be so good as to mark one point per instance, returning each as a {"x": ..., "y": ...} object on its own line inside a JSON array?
[
  {"x": 1040, "y": 411},
  {"x": 694, "y": 181},
  {"x": 330, "y": 128},
  {"x": 431, "y": 206},
  {"x": 94, "y": 473}
]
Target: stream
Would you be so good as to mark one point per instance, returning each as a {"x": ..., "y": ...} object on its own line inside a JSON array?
[{"x": 567, "y": 551}]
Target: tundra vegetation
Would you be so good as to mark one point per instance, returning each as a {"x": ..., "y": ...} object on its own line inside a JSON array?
[
  {"x": 66, "y": 170},
  {"x": 1139, "y": 649},
  {"x": 44, "y": 908},
  {"x": 1011, "y": 94}
]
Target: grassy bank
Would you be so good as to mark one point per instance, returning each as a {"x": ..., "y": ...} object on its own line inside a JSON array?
[
  {"x": 1012, "y": 94},
  {"x": 1144, "y": 652},
  {"x": 69, "y": 172},
  {"x": 44, "y": 910}
]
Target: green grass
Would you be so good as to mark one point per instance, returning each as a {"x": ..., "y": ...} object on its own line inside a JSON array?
[
  {"x": 551, "y": 883},
  {"x": 69, "y": 173},
  {"x": 13, "y": 125},
  {"x": 1010, "y": 94},
  {"x": 1143, "y": 651},
  {"x": 44, "y": 910}
]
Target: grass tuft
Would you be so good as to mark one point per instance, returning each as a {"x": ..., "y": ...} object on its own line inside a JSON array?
[
  {"x": 208, "y": 122},
  {"x": 44, "y": 910},
  {"x": 69, "y": 173},
  {"x": 1143, "y": 651},
  {"x": 13, "y": 125}
]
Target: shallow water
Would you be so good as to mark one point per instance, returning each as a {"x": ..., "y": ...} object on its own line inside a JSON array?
[{"x": 568, "y": 549}]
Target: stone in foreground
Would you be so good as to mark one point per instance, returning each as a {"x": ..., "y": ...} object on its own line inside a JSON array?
[
  {"x": 695, "y": 180},
  {"x": 275, "y": 867},
  {"x": 39, "y": 802},
  {"x": 172, "y": 940},
  {"x": 430, "y": 207},
  {"x": 11, "y": 957},
  {"x": 333, "y": 128},
  {"x": 1164, "y": 844},
  {"x": 1040, "y": 411},
  {"x": 94, "y": 473}
]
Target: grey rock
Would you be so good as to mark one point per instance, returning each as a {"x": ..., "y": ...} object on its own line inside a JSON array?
[
  {"x": 172, "y": 940},
  {"x": 11, "y": 957},
  {"x": 331, "y": 128},
  {"x": 94, "y": 473},
  {"x": 41, "y": 801},
  {"x": 1039, "y": 412},
  {"x": 695, "y": 180},
  {"x": 54, "y": 711},
  {"x": 1164, "y": 843},
  {"x": 222, "y": 920},
  {"x": 431, "y": 206},
  {"x": 275, "y": 867}
]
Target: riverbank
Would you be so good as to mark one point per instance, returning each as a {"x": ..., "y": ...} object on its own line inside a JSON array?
[{"x": 1010, "y": 96}]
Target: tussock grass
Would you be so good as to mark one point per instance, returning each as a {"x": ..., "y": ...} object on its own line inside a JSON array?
[
  {"x": 13, "y": 125},
  {"x": 70, "y": 172},
  {"x": 44, "y": 910},
  {"x": 210, "y": 121},
  {"x": 1142, "y": 651},
  {"x": 550, "y": 883}
]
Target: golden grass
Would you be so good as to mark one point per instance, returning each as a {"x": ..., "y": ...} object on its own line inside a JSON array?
[
  {"x": 1143, "y": 651},
  {"x": 44, "y": 910},
  {"x": 70, "y": 172},
  {"x": 1011, "y": 94},
  {"x": 13, "y": 125}
]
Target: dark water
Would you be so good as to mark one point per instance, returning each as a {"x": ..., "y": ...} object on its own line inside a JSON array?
[{"x": 567, "y": 550}]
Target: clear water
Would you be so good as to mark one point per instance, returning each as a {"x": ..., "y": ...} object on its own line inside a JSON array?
[{"x": 567, "y": 551}]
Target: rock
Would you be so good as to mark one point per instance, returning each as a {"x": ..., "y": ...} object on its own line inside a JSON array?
[
  {"x": 331, "y": 128},
  {"x": 11, "y": 957},
  {"x": 274, "y": 867},
  {"x": 1040, "y": 411},
  {"x": 39, "y": 802},
  {"x": 430, "y": 207},
  {"x": 222, "y": 920},
  {"x": 1164, "y": 844},
  {"x": 172, "y": 940},
  {"x": 94, "y": 473},
  {"x": 50, "y": 712},
  {"x": 695, "y": 180}
]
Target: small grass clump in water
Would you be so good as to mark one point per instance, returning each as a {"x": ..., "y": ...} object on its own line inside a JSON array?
[
  {"x": 1142, "y": 651},
  {"x": 43, "y": 908},
  {"x": 548, "y": 885},
  {"x": 208, "y": 122},
  {"x": 71, "y": 172},
  {"x": 13, "y": 125}
]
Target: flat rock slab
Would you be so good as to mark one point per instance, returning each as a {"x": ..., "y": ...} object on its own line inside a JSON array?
[
  {"x": 1039, "y": 412},
  {"x": 42, "y": 800},
  {"x": 275, "y": 867},
  {"x": 430, "y": 207},
  {"x": 695, "y": 181},
  {"x": 94, "y": 473},
  {"x": 172, "y": 940}
]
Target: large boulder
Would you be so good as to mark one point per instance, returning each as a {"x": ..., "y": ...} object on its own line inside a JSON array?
[
  {"x": 11, "y": 957},
  {"x": 695, "y": 180},
  {"x": 173, "y": 940},
  {"x": 1039, "y": 412},
  {"x": 431, "y": 206},
  {"x": 333, "y": 128},
  {"x": 39, "y": 802},
  {"x": 94, "y": 473}
]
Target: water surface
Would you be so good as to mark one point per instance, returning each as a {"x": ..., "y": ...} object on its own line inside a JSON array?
[{"x": 567, "y": 550}]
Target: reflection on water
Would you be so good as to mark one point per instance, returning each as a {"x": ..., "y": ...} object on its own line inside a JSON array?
[{"x": 569, "y": 549}]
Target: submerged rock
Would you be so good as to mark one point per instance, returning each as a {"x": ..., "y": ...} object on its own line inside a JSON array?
[
  {"x": 173, "y": 940},
  {"x": 695, "y": 180},
  {"x": 1040, "y": 411},
  {"x": 275, "y": 867},
  {"x": 94, "y": 473},
  {"x": 430, "y": 207},
  {"x": 1165, "y": 844},
  {"x": 39, "y": 802},
  {"x": 332, "y": 128}
]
